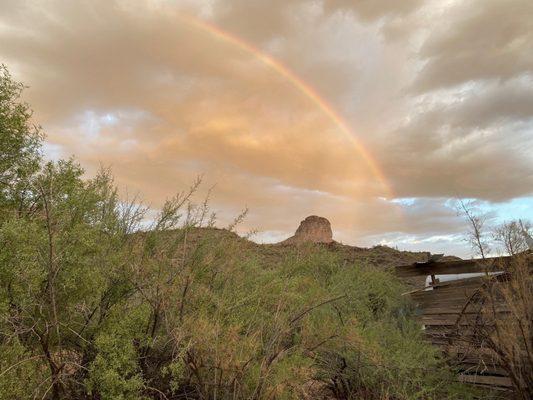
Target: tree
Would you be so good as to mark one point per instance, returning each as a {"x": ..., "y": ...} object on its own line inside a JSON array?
[
  {"x": 20, "y": 142},
  {"x": 60, "y": 270},
  {"x": 512, "y": 236},
  {"x": 477, "y": 236}
]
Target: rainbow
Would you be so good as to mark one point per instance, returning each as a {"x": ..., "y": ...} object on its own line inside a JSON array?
[{"x": 299, "y": 84}]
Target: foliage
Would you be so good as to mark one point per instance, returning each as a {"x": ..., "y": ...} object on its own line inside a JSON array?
[
  {"x": 94, "y": 305},
  {"x": 19, "y": 143}
]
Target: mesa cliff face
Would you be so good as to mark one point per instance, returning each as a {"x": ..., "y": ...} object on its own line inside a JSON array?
[{"x": 313, "y": 229}]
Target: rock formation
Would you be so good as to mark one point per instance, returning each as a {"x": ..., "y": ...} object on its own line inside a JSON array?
[{"x": 313, "y": 229}]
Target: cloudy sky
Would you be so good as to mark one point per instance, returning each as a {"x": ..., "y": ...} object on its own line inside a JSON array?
[{"x": 375, "y": 114}]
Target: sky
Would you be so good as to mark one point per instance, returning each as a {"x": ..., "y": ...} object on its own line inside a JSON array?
[{"x": 377, "y": 115}]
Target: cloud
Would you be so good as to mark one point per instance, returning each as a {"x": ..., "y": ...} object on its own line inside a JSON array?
[
  {"x": 439, "y": 93},
  {"x": 478, "y": 40},
  {"x": 373, "y": 9},
  {"x": 262, "y": 21}
]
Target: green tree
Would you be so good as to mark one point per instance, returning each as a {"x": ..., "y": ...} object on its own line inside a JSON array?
[
  {"x": 20, "y": 142},
  {"x": 60, "y": 271}
]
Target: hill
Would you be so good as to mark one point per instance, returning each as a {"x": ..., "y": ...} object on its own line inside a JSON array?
[{"x": 377, "y": 256}]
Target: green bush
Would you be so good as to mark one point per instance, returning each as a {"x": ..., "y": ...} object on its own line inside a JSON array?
[{"x": 94, "y": 305}]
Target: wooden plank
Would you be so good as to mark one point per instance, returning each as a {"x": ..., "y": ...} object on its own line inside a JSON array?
[
  {"x": 468, "y": 286},
  {"x": 445, "y": 331},
  {"x": 451, "y": 334},
  {"x": 466, "y": 353},
  {"x": 448, "y": 310},
  {"x": 502, "y": 311},
  {"x": 479, "y": 368},
  {"x": 471, "y": 281},
  {"x": 434, "y": 297},
  {"x": 446, "y": 319},
  {"x": 486, "y": 380},
  {"x": 450, "y": 320},
  {"x": 454, "y": 341},
  {"x": 441, "y": 342},
  {"x": 437, "y": 329},
  {"x": 479, "y": 364},
  {"x": 453, "y": 267},
  {"x": 476, "y": 281},
  {"x": 483, "y": 359},
  {"x": 472, "y": 302}
]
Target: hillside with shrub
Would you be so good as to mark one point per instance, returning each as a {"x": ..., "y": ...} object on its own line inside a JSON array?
[{"x": 95, "y": 304}]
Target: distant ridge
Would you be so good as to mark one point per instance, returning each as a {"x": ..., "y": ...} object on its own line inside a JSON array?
[{"x": 315, "y": 232}]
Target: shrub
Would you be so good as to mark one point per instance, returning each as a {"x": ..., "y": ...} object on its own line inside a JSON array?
[{"x": 93, "y": 304}]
